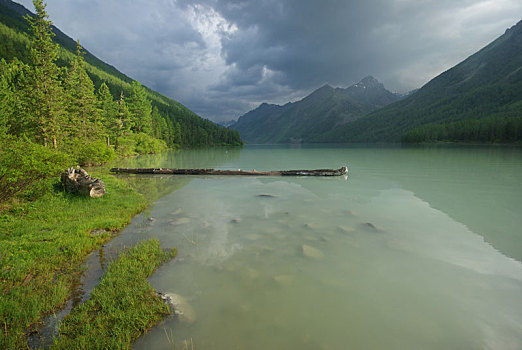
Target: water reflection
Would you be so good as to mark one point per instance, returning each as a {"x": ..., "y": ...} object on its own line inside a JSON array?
[
  {"x": 479, "y": 186},
  {"x": 320, "y": 263},
  {"x": 192, "y": 158}
]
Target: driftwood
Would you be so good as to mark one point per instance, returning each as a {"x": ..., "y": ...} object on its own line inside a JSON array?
[
  {"x": 317, "y": 172},
  {"x": 78, "y": 181}
]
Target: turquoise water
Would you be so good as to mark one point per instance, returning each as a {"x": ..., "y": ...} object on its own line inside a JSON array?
[{"x": 419, "y": 248}]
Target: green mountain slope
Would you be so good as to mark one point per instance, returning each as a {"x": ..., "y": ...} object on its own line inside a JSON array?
[
  {"x": 320, "y": 112},
  {"x": 479, "y": 99},
  {"x": 195, "y": 131}
]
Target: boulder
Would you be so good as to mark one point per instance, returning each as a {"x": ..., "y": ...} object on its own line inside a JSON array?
[{"x": 311, "y": 252}]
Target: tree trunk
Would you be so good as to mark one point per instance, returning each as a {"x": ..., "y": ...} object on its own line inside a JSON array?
[
  {"x": 317, "y": 172},
  {"x": 78, "y": 181}
]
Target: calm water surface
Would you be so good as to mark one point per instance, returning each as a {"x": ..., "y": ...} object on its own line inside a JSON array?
[{"x": 419, "y": 248}]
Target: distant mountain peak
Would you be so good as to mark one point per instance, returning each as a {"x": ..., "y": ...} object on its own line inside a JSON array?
[
  {"x": 322, "y": 111},
  {"x": 369, "y": 82}
]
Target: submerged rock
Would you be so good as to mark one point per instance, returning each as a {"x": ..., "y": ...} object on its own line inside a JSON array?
[
  {"x": 176, "y": 212},
  {"x": 371, "y": 227},
  {"x": 284, "y": 279},
  {"x": 346, "y": 229},
  {"x": 182, "y": 309},
  {"x": 311, "y": 226},
  {"x": 180, "y": 221},
  {"x": 311, "y": 252},
  {"x": 264, "y": 195}
]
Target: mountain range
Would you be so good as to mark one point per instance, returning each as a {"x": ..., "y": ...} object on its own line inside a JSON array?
[
  {"x": 478, "y": 100},
  {"x": 323, "y": 110}
]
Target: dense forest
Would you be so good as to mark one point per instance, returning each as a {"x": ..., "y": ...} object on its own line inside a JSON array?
[
  {"x": 494, "y": 129},
  {"x": 56, "y": 109}
]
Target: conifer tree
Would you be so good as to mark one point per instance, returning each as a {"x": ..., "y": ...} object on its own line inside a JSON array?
[
  {"x": 12, "y": 110},
  {"x": 44, "y": 91},
  {"x": 177, "y": 134},
  {"x": 122, "y": 124},
  {"x": 159, "y": 125},
  {"x": 109, "y": 112},
  {"x": 82, "y": 105},
  {"x": 140, "y": 109},
  {"x": 6, "y": 99}
]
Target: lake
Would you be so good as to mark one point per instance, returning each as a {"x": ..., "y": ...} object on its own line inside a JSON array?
[{"x": 418, "y": 248}]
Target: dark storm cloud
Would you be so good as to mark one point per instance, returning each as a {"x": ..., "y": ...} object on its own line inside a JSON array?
[
  {"x": 312, "y": 42},
  {"x": 222, "y": 58}
]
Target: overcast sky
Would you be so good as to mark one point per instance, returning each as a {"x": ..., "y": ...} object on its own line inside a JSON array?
[{"x": 223, "y": 58}]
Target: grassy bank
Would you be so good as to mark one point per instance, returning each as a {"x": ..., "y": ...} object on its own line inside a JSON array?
[
  {"x": 122, "y": 306},
  {"x": 43, "y": 244}
]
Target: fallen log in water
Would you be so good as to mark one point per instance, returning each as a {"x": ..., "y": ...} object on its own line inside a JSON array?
[{"x": 317, "y": 172}]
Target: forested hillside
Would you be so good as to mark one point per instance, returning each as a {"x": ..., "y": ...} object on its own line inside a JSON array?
[
  {"x": 171, "y": 121},
  {"x": 322, "y": 111},
  {"x": 478, "y": 100}
]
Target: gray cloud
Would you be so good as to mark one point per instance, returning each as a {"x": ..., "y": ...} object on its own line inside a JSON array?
[{"x": 222, "y": 58}]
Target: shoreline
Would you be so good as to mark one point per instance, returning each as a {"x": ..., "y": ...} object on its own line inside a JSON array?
[{"x": 48, "y": 242}]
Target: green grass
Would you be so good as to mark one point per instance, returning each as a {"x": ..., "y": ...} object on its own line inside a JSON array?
[
  {"x": 42, "y": 246},
  {"x": 122, "y": 307}
]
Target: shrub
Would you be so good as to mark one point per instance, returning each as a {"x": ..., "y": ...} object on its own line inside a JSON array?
[
  {"x": 145, "y": 144},
  {"x": 23, "y": 162},
  {"x": 141, "y": 143},
  {"x": 94, "y": 153}
]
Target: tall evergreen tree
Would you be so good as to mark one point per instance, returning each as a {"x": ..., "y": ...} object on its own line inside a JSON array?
[
  {"x": 12, "y": 108},
  {"x": 109, "y": 112},
  {"x": 156, "y": 123},
  {"x": 140, "y": 109},
  {"x": 122, "y": 124},
  {"x": 177, "y": 135},
  {"x": 6, "y": 98},
  {"x": 44, "y": 91},
  {"x": 82, "y": 105}
]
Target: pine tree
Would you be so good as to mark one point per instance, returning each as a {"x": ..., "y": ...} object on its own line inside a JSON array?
[
  {"x": 122, "y": 124},
  {"x": 109, "y": 112},
  {"x": 140, "y": 109},
  {"x": 82, "y": 105},
  {"x": 6, "y": 98},
  {"x": 44, "y": 91},
  {"x": 177, "y": 134},
  {"x": 12, "y": 109},
  {"x": 156, "y": 123}
]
